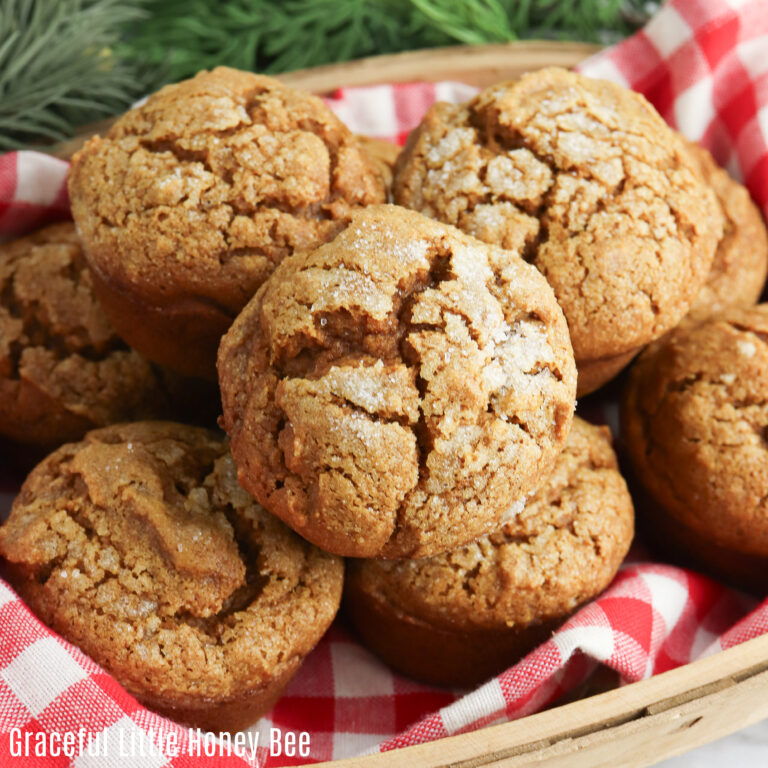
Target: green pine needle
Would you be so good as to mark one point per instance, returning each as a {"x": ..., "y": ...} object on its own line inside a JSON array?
[
  {"x": 67, "y": 62},
  {"x": 58, "y": 68},
  {"x": 180, "y": 37}
]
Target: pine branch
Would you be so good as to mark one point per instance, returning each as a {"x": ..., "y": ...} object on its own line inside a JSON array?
[
  {"x": 58, "y": 68},
  {"x": 67, "y": 62},
  {"x": 180, "y": 37}
]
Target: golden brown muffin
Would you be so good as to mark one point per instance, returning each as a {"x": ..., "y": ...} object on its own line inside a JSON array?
[
  {"x": 138, "y": 545},
  {"x": 739, "y": 269},
  {"x": 193, "y": 198},
  {"x": 63, "y": 369},
  {"x": 395, "y": 391},
  {"x": 459, "y": 618},
  {"x": 695, "y": 421},
  {"x": 585, "y": 180}
]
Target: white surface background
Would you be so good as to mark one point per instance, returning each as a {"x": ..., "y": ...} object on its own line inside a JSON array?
[{"x": 744, "y": 749}]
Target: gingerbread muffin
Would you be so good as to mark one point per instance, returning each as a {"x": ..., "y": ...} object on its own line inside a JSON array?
[
  {"x": 193, "y": 198},
  {"x": 460, "y": 617},
  {"x": 695, "y": 421},
  {"x": 138, "y": 545},
  {"x": 584, "y": 180},
  {"x": 739, "y": 269},
  {"x": 396, "y": 391},
  {"x": 63, "y": 369}
]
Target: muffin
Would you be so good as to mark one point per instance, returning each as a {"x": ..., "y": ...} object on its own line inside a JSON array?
[
  {"x": 394, "y": 392},
  {"x": 138, "y": 545},
  {"x": 458, "y": 618},
  {"x": 193, "y": 198},
  {"x": 739, "y": 269},
  {"x": 583, "y": 179},
  {"x": 695, "y": 421},
  {"x": 63, "y": 369}
]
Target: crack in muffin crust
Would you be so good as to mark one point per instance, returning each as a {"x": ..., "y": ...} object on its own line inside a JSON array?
[
  {"x": 459, "y": 617},
  {"x": 562, "y": 549},
  {"x": 46, "y": 300},
  {"x": 585, "y": 181},
  {"x": 402, "y": 381},
  {"x": 204, "y": 189},
  {"x": 248, "y": 171}
]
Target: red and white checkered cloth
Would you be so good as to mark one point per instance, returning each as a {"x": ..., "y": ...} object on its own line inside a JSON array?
[{"x": 703, "y": 63}]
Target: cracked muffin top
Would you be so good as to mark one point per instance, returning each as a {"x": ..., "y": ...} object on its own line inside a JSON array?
[
  {"x": 739, "y": 269},
  {"x": 63, "y": 369},
  {"x": 138, "y": 545},
  {"x": 396, "y": 391},
  {"x": 203, "y": 189},
  {"x": 695, "y": 422},
  {"x": 561, "y": 550},
  {"x": 192, "y": 199},
  {"x": 583, "y": 179}
]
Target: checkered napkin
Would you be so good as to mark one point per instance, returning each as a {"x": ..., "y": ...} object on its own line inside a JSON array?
[{"x": 703, "y": 63}]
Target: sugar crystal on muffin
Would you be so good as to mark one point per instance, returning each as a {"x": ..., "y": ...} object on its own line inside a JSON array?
[
  {"x": 587, "y": 182},
  {"x": 192, "y": 198},
  {"x": 395, "y": 391}
]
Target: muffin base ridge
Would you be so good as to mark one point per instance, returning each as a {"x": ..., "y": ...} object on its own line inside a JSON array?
[
  {"x": 593, "y": 374},
  {"x": 435, "y": 655},
  {"x": 139, "y": 324},
  {"x": 685, "y": 544},
  {"x": 229, "y": 715}
]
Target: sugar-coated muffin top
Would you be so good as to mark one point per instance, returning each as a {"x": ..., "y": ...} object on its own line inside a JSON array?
[
  {"x": 395, "y": 391},
  {"x": 198, "y": 193},
  {"x": 585, "y": 180}
]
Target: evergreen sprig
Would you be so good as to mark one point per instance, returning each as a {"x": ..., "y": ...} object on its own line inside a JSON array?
[
  {"x": 180, "y": 37},
  {"x": 58, "y": 68},
  {"x": 67, "y": 62}
]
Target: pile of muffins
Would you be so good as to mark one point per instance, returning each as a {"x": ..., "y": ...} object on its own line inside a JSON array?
[{"x": 395, "y": 343}]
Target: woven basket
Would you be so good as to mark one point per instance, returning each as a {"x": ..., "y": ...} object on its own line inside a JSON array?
[{"x": 634, "y": 725}]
